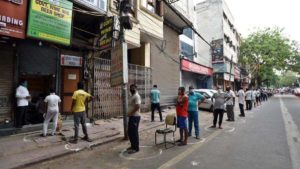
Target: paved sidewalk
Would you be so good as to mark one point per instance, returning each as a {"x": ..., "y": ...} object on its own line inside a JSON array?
[{"x": 17, "y": 151}]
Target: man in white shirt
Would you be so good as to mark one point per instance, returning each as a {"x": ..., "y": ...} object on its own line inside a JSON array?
[
  {"x": 23, "y": 97},
  {"x": 230, "y": 104},
  {"x": 248, "y": 96},
  {"x": 241, "y": 96},
  {"x": 52, "y": 104},
  {"x": 134, "y": 108}
]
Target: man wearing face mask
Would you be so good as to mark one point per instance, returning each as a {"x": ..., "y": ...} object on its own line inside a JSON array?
[
  {"x": 193, "y": 116},
  {"x": 23, "y": 97},
  {"x": 134, "y": 105},
  {"x": 230, "y": 104},
  {"x": 220, "y": 98}
]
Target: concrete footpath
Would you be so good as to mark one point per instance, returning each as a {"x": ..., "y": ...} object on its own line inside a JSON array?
[{"x": 19, "y": 150}]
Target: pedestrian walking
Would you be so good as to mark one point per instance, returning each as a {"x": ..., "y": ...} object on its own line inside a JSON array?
[
  {"x": 155, "y": 102},
  {"x": 182, "y": 114},
  {"x": 248, "y": 98},
  {"x": 230, "y": 104},
  {"x": 23, "y": 97},
  {"x": 79, "y": 101},
  {"x": 194, "y": 99},
  {"x": 241, "y": 99},
  {"x": 220, "y": 99},
  {"x": 52, "y": 110},
  {"x": 134, "y": 106}
]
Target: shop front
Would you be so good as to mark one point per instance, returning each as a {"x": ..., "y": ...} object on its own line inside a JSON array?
[{"x": 196, "y": 75}]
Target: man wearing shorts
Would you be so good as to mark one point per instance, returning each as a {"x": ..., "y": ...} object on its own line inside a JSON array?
[{"x": 182, "y": 114}]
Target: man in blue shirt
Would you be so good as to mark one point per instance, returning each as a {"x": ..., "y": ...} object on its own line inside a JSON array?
[
  {"x": 193, "y": 116},
  {"x": 155, "y": 102}
]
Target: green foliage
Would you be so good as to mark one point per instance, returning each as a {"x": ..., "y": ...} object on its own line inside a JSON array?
[
  {"x": 288, "y": 79},
  {"x": 268, "y": 50}
]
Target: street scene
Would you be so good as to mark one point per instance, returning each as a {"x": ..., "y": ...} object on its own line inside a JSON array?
[{"x": 149, "y": 84}]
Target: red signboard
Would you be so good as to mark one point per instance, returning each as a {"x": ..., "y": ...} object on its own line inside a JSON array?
[
  {"x": 196, "y": 68},
  {"x": 13, "y": 18}
]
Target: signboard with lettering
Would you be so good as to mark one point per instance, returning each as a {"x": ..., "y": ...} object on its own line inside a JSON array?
[
  {"x": 67, "y": 60},
  {"x": 106, "y": 33},
  {"x": 97, "y": 5},
  {"x": 13, "y": 18},
  {"x": 228, "y": 77},
  {"x": 196, "y": 68},
  {"x": 50, "y": 20},
  {"x": 119, "y": 65}
]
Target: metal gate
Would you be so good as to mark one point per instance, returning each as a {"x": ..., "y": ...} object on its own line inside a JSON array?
[{"x": 108, "y": 102}]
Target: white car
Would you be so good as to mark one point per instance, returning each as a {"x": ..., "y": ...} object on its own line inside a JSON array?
[{"x": 207, "y": 93}]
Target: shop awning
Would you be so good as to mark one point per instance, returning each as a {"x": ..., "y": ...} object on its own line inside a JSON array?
[{"x": 195, "y": 68}]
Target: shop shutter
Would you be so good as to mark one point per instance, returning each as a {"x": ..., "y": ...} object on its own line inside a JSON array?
[
  {"x": 37, "y": 60},
  {"x": 6, "y": 83}
]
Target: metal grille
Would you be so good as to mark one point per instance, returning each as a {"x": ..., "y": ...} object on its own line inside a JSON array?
[{"x": 108, "y": 102}]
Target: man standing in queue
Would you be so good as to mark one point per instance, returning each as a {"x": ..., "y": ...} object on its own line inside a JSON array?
[
  {"x": 182, "y": 114},
  {"x": 134, "y": 106},
  {"x": 193, "y": 115}
]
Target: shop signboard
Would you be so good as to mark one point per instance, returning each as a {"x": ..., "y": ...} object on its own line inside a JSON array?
[
  {"x": 196, "y": 68},
  {"x": 50, "y": 20},
  {"x": 106, "y": 33},
  {"x": 119, "y": 65},
  {"x": 97, "y": 5},
  {"x": 237, "y": 73},
  {"x": 68, "y": 60},
  {"x": 13, "y": 18}
]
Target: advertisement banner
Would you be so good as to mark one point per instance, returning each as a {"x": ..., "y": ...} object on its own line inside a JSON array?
[
  {"x": 50, "y": 20},
  {"x": 13, "y": 18},
  {"x": 119, "y": 65},
  {"x": 217, "y": 50}
]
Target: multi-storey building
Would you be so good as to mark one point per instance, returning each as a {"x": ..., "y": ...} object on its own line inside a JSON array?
[
  {"x": 216, "y": 24},
  {"x": 196, "y": 69}
]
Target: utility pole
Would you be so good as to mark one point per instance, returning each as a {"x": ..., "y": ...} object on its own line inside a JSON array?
[
  {"x": 230, "y": 71},
  {"x": 124, "y": 7}
]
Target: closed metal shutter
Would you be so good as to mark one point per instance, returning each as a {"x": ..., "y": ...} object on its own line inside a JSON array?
[
  {"x": 37, "y": 60},
  {"x": 166, "y": 66},
  {"x": 6, "y": 83}
]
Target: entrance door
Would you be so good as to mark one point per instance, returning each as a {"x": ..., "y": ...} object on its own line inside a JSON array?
[{"x": 71, "y": 76}]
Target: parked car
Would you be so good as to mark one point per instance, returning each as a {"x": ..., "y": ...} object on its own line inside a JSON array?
[
  {"x": 297, "y": 91},
  {"x": 207, "y": 93}
]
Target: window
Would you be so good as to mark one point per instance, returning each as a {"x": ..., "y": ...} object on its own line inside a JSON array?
[
  {"x": 186, "y": 50},
  {"x": 155, "y": 7},
  {"x": 188, "y": 32}
]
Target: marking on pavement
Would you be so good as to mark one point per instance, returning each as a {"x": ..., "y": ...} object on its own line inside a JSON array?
[
  {"x": 230, "y": 130},
  {"x": 141, "y": 158},
  {"x": 187, "y": 152},
  {"x": 67, "y": 147},
  {"x": 202, "y": 140},
  {"x": 292, "y": 134},
  {"x": 26, "y": 140},
  {"x": 195, "y": 163}
]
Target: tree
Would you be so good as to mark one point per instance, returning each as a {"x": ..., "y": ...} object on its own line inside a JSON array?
[
  {"x": 288, "y": 78},
  {"x": 268, "y": 50}
]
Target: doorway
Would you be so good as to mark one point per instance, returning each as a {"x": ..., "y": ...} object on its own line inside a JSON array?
[
  {"x": 38, "y": 87},
  {"x": 70, "y": 77}
]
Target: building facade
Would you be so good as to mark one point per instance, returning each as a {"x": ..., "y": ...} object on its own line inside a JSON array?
[{"x": 216, "y": 24}]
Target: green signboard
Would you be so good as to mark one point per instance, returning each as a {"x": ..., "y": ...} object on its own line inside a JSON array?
[{"x": 50, "y": 20}]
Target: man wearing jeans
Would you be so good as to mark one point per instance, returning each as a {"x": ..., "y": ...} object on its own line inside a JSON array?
[
  {"x": 23, "y": 97},
  {"x": 155, "y": 102},
  {"x": 134, "y": 105},
  {"x": 193, "y": 116},
  {"x": 80, "y": 98}
]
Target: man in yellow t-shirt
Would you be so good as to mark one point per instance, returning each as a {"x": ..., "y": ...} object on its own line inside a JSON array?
[{"x": 80, "y": 99}]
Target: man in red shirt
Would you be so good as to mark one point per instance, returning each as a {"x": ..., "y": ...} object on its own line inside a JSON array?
[{"x": 182, "y": 114}]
